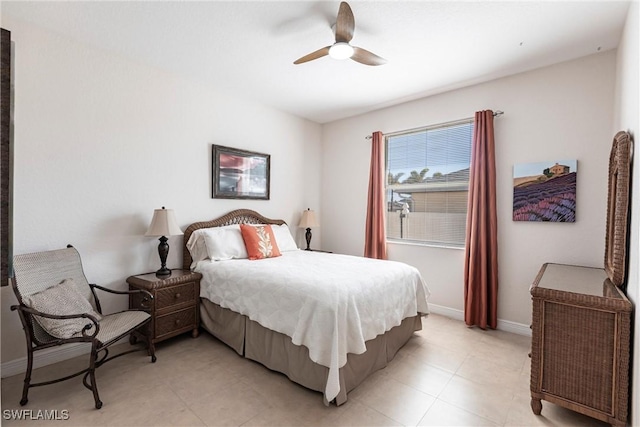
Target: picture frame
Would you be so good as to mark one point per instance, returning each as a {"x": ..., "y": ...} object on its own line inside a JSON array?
[
  {"x": 545, "y": 191},
  {"x": 240, "y": 174}
]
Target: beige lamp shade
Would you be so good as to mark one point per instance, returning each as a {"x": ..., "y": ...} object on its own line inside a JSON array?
[
  {"x": 308, "y": 219},
  {"x": 163, "y": 223}
]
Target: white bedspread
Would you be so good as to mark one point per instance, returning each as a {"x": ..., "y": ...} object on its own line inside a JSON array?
[{"x": 329, "y": 303}]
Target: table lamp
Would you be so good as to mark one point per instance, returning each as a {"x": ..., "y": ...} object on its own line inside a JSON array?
[
  {"x": 163, "y": 224},
  {"x": 308, "y": 221}
]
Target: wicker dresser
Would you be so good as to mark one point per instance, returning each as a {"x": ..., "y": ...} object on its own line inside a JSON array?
[
  {"x": 580, "y": 342},
  {"x": 175, "y": 302}
]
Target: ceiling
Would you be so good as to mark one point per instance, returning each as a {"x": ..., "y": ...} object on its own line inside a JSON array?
[{"x": 248, "y": 48}]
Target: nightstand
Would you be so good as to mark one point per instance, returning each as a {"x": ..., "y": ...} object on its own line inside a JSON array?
[{"x": 174, "y": 308}]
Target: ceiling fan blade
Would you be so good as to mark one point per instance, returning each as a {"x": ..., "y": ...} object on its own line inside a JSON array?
[
  {"x": 365, "y": 57},
  {"x": 345, "y": 23},
  {"x": 313, "y": 55}
]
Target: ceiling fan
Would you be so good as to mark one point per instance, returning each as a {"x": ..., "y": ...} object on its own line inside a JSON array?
[{"x": 341, "y": 49}]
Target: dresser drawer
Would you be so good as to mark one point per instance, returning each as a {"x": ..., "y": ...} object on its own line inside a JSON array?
[
  {"x": 175, "y": 295},
  {"x": 173, "y": 323}
]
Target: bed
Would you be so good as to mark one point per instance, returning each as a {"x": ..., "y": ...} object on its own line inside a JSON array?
[{"x": 327, "y": 321}]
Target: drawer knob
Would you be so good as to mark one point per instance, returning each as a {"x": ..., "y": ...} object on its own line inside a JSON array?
[
  {"x": 178, "y": 295},
  {"x": 178, "y": 321}
]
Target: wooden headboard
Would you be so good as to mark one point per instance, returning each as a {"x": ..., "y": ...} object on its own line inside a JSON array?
[{"x": 239, "y": 216}]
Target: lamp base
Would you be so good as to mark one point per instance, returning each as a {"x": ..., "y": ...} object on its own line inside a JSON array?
[
  {"x": 164, "y": 272},
  {"x": 163, "y": 251},
  {"x": 307, "y": 236}
]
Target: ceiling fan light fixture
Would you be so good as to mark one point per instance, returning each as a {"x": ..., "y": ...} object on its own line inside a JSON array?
[{"x": 341, "y": 50}]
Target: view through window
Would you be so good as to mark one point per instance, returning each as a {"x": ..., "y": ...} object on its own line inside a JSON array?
[{"x": 427, "y": 183}]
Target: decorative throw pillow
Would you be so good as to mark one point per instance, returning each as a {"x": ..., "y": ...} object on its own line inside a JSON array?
[
  {"x": 61, "y": 299},
  {"x": 259, "y": 241}
]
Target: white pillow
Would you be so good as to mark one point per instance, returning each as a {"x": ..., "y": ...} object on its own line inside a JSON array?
[
  {"x": 284, "y": 239},
  {"x": 224, "y": 243},
  {"x": 197, "y": 248},
  {"x": 62, "y": 299}
]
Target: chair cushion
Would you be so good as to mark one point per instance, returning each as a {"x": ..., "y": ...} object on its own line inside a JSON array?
[
  {"x": 117, "y": 324},
  {"x": 61, "y": 299}
]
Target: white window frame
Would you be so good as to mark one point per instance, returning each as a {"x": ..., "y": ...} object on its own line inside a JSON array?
[{"x": 453, "y": 219}]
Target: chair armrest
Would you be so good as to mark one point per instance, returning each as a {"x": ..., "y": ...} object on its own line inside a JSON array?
[
  {"x": 113, "y": 291},
  {"x": 146, "y": 299},
  {"x": 85, "y": 329}
]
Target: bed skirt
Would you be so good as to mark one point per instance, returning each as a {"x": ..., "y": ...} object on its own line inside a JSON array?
[{"x": 276, "y": 351}]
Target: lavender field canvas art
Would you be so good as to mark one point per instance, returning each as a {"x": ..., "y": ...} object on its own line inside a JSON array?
[{"x": 545, "y": 191}]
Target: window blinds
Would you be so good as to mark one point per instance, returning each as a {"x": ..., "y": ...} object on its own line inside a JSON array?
[{"x": 428, "y": 172}]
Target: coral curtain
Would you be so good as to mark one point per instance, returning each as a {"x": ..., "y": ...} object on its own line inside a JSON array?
[
  {"x": 375, "y": 243},
  {"x": 481, "y": 249}
]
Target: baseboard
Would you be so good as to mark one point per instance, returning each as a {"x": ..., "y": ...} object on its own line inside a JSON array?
[
  {"x": 44, "y": 358},
  {"x": 446, "y": 311},
  {"x": 513, "y": 327},
  {"x": 503, "y": 325},
  {"x": 58, "y": 354}
]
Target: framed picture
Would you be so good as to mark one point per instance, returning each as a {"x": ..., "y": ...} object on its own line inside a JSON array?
[
  {"x": 545, "y": 191},
  {"x": 240, "y": 174}
]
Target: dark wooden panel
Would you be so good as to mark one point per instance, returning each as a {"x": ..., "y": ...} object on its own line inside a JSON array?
[{"x": 5, "y": 154}]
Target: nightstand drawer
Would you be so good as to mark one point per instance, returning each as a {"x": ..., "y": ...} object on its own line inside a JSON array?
[
  {"x": 174, "y": 322},
  {"x": 175, "y": 295}
]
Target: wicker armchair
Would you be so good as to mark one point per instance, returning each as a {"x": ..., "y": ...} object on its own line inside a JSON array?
[{"x": 58, "y": 306}]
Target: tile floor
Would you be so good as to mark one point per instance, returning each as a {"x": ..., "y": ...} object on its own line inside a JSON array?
[{"x": 446, "y": 375}]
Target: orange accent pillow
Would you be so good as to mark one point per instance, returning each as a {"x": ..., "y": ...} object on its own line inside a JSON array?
[{"x": 259, "y": 241}]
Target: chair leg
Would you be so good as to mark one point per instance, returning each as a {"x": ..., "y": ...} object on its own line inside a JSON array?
[
  {"x": 152, "y": 351},
  {"x": 92, "y": 376},
  {"x": 27, "y": 376},
  {"x": 150, "y": 345}
]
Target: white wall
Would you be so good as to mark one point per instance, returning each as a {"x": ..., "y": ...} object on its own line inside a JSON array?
[
  {"x": 627, "y": 117},
  {"x": 102, "y": 140},
  {"x": 558, "y": 112}
]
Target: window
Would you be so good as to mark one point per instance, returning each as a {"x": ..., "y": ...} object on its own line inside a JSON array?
[{"x": 427, "y": 183}]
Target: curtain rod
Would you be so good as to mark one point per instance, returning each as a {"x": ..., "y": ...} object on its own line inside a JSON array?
[{"x": 495, "y": 114}]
